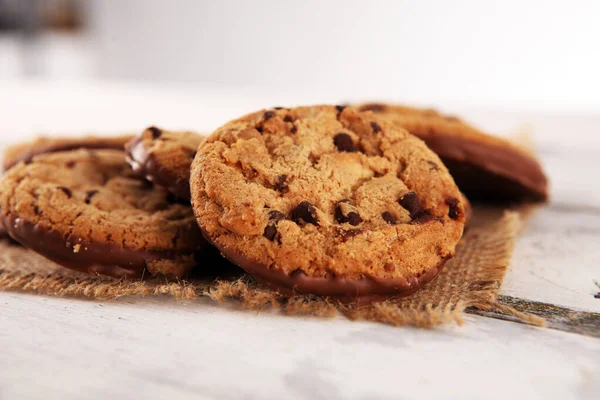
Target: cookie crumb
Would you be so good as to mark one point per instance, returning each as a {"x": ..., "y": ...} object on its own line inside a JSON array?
[{"x": 76, "y": 248}]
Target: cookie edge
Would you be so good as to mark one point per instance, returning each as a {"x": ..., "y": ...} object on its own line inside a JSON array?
[
  {"x": 98, "y": 258},
  {"x": 362, "y": 290}
]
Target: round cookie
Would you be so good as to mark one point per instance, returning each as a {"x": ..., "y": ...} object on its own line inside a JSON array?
[
  {"x": 164, "y": 157},
  {"x": 327, "y": 200},
  {"x": 24, "y": 152},
  {"x": 484, "y": 167},
  {"x": 87, "y": 210}
]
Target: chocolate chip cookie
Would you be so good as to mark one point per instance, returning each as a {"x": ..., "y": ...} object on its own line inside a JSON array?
[
  {"x": 327, "y": 200},
  {"x": 484, "y": 167},
  {"x": 164, "y": 157},
  {"x": 24, "y": 152},
  {"x": 87, "y": 210}
]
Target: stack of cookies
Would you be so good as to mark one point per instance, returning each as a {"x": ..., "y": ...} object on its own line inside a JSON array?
[{"x": 354, "y": 203}]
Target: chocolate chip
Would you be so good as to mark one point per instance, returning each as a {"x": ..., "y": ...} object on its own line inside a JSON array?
[
  {"x": 156, "y": 133},
  {"x": 353, "y": 218},
  {"x": 341, "y": 107},
  {"x": 411, "y": 202},
  {"x": 433, "y": 166},
  {"x": 281, "y": 184},
  {"x": 250, "y": 173},
  {"x": 276, "y": 215},
  {"x": 305, "y": 213},
  {"x": 453, "y": 210},
  {"x": 339, "y": 215},
  {"x": 348, "y": 233},
  {"x": 67, "y": 191},
  {"x": 375, "y": 107},
  {"x": 294, "y": 129},
  {"x": 288, "y": 118},
  {"x": 426, "y": 217},
  {"x": 70, "y": 164},
  {"x": 88, "y": 196},
  {"x": 268, "y": 115},
  {"x": 388, "y": 217},
  {"x": 270, "y": 232},
  {"x": 438, "y": 250},
  {"x": 375, "y": 126},
  {"x": 389, "y": 267},
  {"x": 344, "y": 142},
  {"x": 597, "y": 295},
  {"x": 278, "y": 108}
]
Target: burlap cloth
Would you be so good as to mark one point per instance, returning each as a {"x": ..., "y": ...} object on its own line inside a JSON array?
[{"x": 472, "y": 279}]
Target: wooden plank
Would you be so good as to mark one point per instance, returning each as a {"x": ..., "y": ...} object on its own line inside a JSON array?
[{"x": 559, "y": 318}]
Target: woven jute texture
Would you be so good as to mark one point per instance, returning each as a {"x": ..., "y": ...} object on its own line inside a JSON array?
[{"x": 472, "y": 279}]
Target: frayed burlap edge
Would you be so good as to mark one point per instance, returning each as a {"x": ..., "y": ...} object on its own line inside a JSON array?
[{"x": 472, "y": 279}]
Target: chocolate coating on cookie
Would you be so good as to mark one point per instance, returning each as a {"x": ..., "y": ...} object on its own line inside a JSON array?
[
  {"x": 164, "y": 158},
  {"x": 98, "y": 216},
  {"x": 484, "y": 167},
  {"x": 348, "y": 290},
  {"x": 24, "y": 152},
  {"x": 100, "y": 258},
  {"x": 340, "y": 230}
]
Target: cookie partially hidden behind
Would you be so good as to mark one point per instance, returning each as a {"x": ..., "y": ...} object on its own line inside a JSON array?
[
  {"x": 3, "y": 232},
  {"x": 88, "y": 211},
  {"x": 164, "y": 157},
  {"x": 327, "y": 200},
  {"x": 24, "y": 152},
  {"x": 484, "y": 167}
]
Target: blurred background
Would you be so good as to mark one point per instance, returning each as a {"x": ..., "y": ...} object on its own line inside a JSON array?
[{"x": 207, "y": 61}]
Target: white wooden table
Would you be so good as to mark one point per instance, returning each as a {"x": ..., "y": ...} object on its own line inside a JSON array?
[{"x": 156, "y": 348}]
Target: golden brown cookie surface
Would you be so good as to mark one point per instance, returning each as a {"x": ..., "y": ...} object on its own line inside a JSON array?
[
  {"x": 327, "y": 200},
  {"x": 484, "y": 167},
  {"x": 87, "y": 210},
  {"x": 164, "y": 157}
]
